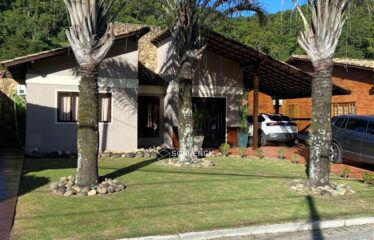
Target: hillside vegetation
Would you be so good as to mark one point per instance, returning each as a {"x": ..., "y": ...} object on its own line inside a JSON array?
[{"x": 36, "y": 25}]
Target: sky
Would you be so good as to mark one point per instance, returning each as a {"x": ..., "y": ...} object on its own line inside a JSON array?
[{"x": 273, "y": 6}]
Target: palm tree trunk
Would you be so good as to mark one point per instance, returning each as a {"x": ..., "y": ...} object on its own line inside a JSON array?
[
  {"x": 185, "y": 116},
  {"x": 320, "y": 131},
  {"x": 88, "y": 134}
]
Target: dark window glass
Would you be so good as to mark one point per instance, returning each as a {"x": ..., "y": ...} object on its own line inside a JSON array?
[
  {"x": 338, "y": 122},
  {"x": 279, "y": 118},
  {"x": 371, "y": 128},
  {"x": 67, "y": 109},
  {"x": 67, "y": 106},
  {"x": 149, "y": 116},
  {"x": 357, "y": 125}
]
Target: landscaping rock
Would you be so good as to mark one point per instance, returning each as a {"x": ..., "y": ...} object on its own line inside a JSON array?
[
  {"x": 68, "y": 188},
  {"x": 139, "y": 154},
  {"x": 92, "y": 193},
  {"x": 86, "y": 189},
  {"x": 60, "y": 190},
  {"x": 147, "y": 154},
  {"x": 53, "y": 186},
  {"x": 68, "y": 193},
  {"x": 116, "y": 155},
  {"x": 101, "y": 190},
  {"x": 77, "y": 188},
  {"x": 81, "y": 194},
  {"x": 154, "y": 155},
  {"x": 302, "y": 186},
  {"x": 106, "y": 154},
  {"x": 111, "y": 189},
  {"x": 129, "y": 155}
]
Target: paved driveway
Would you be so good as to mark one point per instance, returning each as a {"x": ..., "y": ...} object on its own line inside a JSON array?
[{"x": 11, "y": 161}]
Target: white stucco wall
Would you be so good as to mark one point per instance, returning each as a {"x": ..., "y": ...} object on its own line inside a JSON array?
[
  {"x": 217, "y": 76},
  {"x": 118, "y": 74}
]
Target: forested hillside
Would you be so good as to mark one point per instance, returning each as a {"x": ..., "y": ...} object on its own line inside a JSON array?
[{"x": 28, "y": 26}]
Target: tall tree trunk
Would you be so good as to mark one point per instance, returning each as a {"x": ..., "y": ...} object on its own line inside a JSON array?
[
  {"x": 88, "y": 134},
  {"x": 185, "y": 116},
  {"x": 320, "y": 131}
]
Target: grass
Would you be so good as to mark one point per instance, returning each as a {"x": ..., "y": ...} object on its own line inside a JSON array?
[{"x": 164, "y": 200}]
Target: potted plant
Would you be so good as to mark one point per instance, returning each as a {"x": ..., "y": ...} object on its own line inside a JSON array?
[{"x": 243, "y": 123}]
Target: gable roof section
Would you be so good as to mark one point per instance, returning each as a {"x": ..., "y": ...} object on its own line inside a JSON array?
[
  {"x": 365, "y": 64},
  {"x": 17, "y": 66},
  {"x": 277, "y": 79}
]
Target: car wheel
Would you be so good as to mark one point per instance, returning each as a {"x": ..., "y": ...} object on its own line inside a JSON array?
[
  {"x": 335, "y": 153},
  {"x": 262, "y": 139},
  {"x": 290, "y": 143}
]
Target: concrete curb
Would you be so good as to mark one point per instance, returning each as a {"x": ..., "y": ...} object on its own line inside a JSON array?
[{"x": 265, "y": 229}]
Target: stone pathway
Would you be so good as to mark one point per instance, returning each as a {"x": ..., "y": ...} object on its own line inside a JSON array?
[
  {"x": 361, "y": 232},
  {"x": 11, "y": 161}
]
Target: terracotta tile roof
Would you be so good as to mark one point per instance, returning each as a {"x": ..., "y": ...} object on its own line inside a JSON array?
[{"x": 365, "y": 63}]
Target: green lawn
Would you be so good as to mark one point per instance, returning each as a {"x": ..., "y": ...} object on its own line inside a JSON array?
[{"x": 163, "y": 200}]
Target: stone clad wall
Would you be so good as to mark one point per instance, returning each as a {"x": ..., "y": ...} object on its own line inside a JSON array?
[{"x": 147, "y": 51}]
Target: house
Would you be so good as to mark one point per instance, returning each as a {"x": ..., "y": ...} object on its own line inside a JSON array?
[{"x": 139, "y": 94}]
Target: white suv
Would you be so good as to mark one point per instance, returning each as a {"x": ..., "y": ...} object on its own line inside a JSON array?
[{"x": 274, "y": 128}]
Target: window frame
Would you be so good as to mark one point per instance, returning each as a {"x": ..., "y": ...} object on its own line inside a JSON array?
[
  {"x": 77, "y": 92},
  {"x": 159, "y": 116},
  {"x": 357, "y": 119},
  {"x": 344, "y": 113}
]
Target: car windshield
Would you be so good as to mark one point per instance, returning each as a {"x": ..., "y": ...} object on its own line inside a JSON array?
[{"x": 279, "y": 118}]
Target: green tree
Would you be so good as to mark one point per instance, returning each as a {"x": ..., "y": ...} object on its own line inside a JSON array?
[{"x": 90, "y": 38}]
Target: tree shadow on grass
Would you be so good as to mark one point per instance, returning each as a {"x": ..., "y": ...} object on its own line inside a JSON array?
[
  {"x": 129, "y": 169},
  {"x": 30, "y": 182},
  {"x": 31, "y": 165},
  {"x": 314, "y": 218}
]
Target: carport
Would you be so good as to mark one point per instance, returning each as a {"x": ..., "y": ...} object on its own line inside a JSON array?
[{"x": 263, "y": 73}]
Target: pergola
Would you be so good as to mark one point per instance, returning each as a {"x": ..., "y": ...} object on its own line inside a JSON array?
[{"x": 262, "y": 73}]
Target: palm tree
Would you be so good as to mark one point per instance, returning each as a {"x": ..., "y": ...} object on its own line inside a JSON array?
[
  {"x": 319, "y": 40},
  {"x": 186, "y": 20},
  {"x": 90, "y": 37}
]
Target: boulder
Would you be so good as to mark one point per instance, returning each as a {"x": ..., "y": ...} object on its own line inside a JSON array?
[
  {"x": 86, "y": 189},
  {"x": 77, "y": 188},
  {"x": 116, "y": 155},
  {"x": 101, "y": 190},
  {"x": 139, "y": 154},
  {"x": 92, "y": 193},
  {"x": 129, "y": 155},
  {"x": 147, "y": 154},
  {"x": 111, "y": 189},
  {"x": 68, "y": 193},
  {"x": 53, "y": 186},
  {"x": 63, "y": 179}
]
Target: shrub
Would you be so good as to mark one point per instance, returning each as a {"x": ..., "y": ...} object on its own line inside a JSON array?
[
  {"x": 345, "y": 172},
  {"x": 243, "y": 152},
  {"x": 225, "y": 149},
  {"x": 367, "y": 177},
  {"x": 295, "y": 158},
  {"x": 260, "y": 153},
  {"x": 282, "y": 153}
]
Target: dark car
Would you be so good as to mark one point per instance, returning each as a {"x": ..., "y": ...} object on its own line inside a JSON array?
[{"x": 353, "y": 139}]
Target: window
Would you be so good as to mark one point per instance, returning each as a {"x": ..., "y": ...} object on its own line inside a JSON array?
[
  {"x": 357, "y": 125},
  {"x": 149, "y": 117},
  {"x": 105, "y": 106},
  {"x": 343, "y": 109},
  {"x": 370, "y": 128},
  {"x": 338, "y": 122},
  {"x": 67, "y": 109}
]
